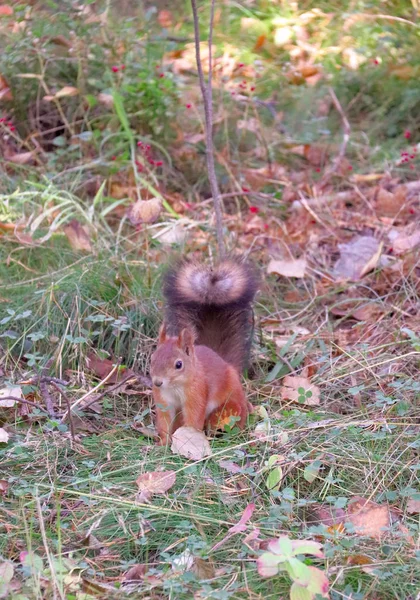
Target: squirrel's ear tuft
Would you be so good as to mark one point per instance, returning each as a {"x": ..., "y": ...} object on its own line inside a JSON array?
[
  {"x": 186, "y": 340},
  {"x": 162, "y": 334}
]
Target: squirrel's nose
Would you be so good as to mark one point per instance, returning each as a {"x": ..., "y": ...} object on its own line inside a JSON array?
[{"x": 157, "y": 382}]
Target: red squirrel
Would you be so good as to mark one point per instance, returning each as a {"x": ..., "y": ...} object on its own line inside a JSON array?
[{"x": 203, "y": 346}]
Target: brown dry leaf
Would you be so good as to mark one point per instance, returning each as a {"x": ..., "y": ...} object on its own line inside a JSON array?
[
  {"x": 300, "y": 389},
  {"x": 359, "y": 559},
  {"x": 204, "y": 569},
  {"x": 102, "y": 367},
  {"x": 21, "y": 158},
  {"x": 413, "y": 506},
  {"x": 4, "y": 436},
  {"x": 165, "y": 19},
  {"x": 357, "y": 257},
  {"x": 389, "y": 204},
  {"x": 145, "y": 211},
  {"x": 4, "y": 486},
  {"x": 367, "y": 517},
  {"x": 14, "y": 391},
  {"x": 136, "y": 573},
  {"x": 5, "y": 10},
  {"x": 288, "y": 268},
  {"x": 316, "y": 154},
  {"x": 188, "y": 442},
  {"x": 154, "y": 482},
  {"x": 404, "y": 243},
  {"x": 78, "y": 236},
  {"x": 119, "y": 190},
  {"x": 5, "y": 92},
  {"x": 229, "y": 466},
  {"x": 106, "y": 99},
  {"x": 66, "y": 91}
]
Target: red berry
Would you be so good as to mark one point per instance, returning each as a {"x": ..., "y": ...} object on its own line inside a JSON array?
[
  {"x": 115, "y": 69},
  {"x": 252, "y": 88},
  {"x": 254, "y": 209},
  {"x": 122, "y": 67},
  {"x": 350, "y": 168},
  {"x": 113, "y": 158},
  {"x": 12, "y": 127},
  {"x": 241, "y": 65},
  {"x": 412, "y": 211},
  {"x": 376, "y": 61},
  {"x": 159, "y": 163},
  {"x": 411, "y": 166},
  {"x": 318, "y": 170},
  {"x": 407, "y": 134},
  {"x": 188, "y": 105},
  {"x": 161, "y": 75},
  {"x": 245, "y": 189}
]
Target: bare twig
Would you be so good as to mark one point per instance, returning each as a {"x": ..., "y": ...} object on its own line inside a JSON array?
[
  {"x": 28, "y": 402},
  {"x": 346, "y": 137},
  {"x": 90, "y": 392},
  {"x": 207, "y": 95},
  {"x": 68, "y": 403}
]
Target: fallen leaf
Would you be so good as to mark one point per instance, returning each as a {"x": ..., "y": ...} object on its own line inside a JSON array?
[
  {"x": 165, "y": 19},
  {"x": 367, "y": 517},
  {"x": 102, "y": 367},
  {"x": 357, "y": 257},
  {"x": 4, "y": 436},
  {"x": 389, "y": 204},
  {"x": 21, "y": 158},
  {"x": 204, "y": 569},
  {"x": 413, "y": 506},
  {"x": 106, "y": 99},
  {"x": 145, "y": 211},
  {"x": 5, "y": 92},
  {"x": 300, "y": 389},
  {"x": 66, "y": 91},
  {"x": 288, "y": 268},
  {"x": 5, "y": 10},
  {"x": 183, "y": 562},
  {"x": 188, "y": 442},
  {"x": 136, "y": 573},
  {"x": 403, "y": 242},
  {"x": 174, "y": 233},
  {"x": 78, "y": 236},
  {"x": 241, "y": 524},
  {"x": 154, "y": 482},
  {"x": 4, "y": 486},
  {"x": 229, "y": 466},
  {"x": 15, "y": 391},
  {"x": 6, "y": 573}
]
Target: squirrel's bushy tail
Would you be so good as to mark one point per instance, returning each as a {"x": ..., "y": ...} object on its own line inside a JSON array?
[{"x": 216, "y": 302}]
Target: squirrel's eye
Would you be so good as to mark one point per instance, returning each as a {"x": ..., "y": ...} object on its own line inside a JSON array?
[{"x": 178, "y": 364}]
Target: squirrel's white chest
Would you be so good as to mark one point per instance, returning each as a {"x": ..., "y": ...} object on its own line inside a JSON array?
[{"x": 173, "y": 397}]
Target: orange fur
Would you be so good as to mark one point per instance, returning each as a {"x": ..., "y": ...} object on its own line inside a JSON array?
[{"x": 204, "y": 393}]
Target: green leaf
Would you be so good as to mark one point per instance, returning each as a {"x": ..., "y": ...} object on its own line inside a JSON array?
[
  {"x": 307, "y": 547},
  {"x": 6, "y": 572},
  {"x": 297, "y": 592},
  {"x": 311, "y": 471},
  {"x": 282, "y": 546},
  {"x": 274, "y": 478},
  {"x": 298, "y": 571},
  {"x": 268, "y": 564},
  {"x": 272, "y": 460}
]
